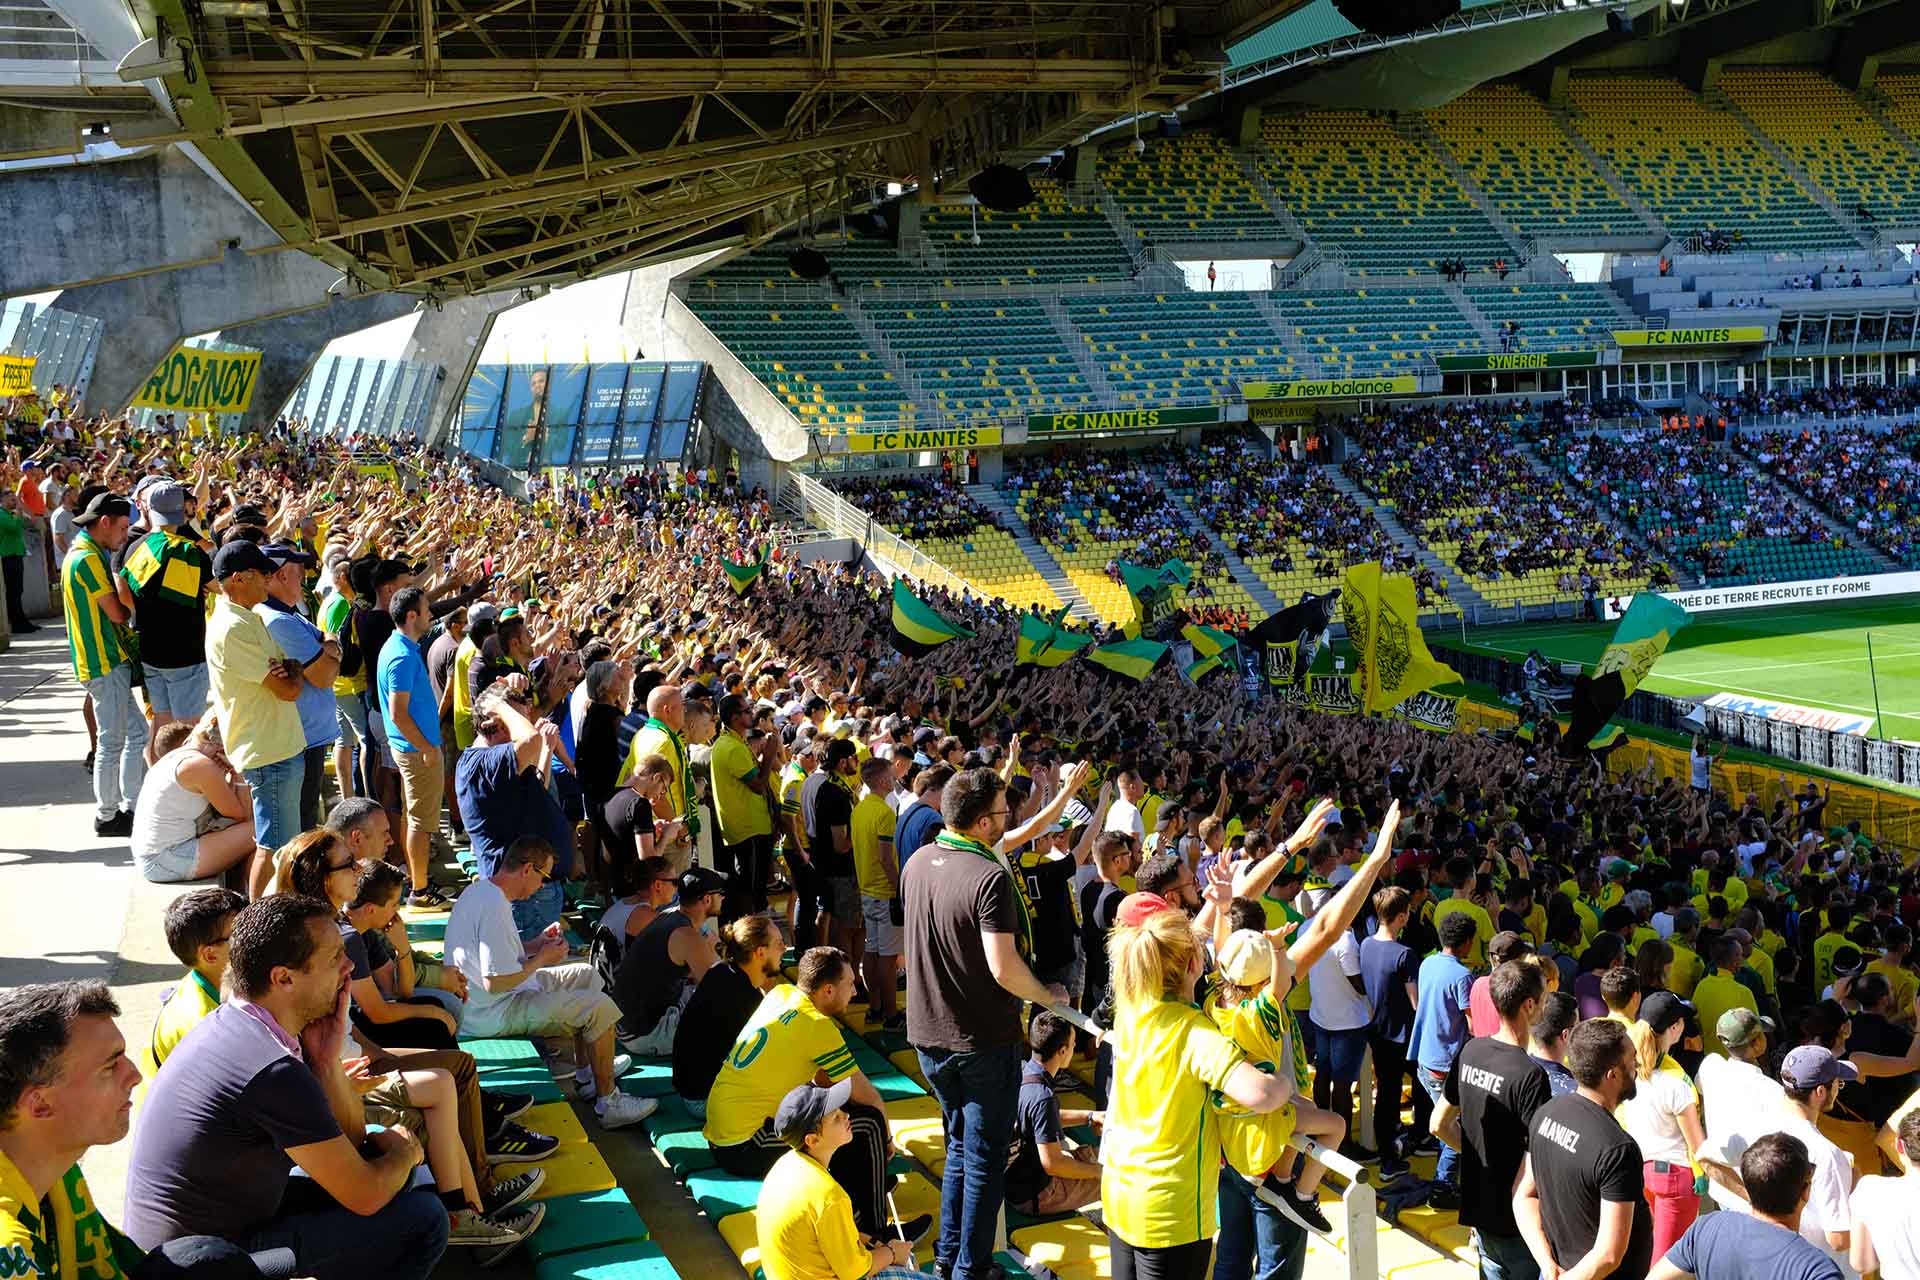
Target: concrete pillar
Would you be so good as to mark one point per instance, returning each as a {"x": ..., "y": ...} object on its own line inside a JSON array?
[
  {"x": 642, "y": 322},
  {"x": 993, "y": 465},
  {"x": 451, "y": 337},
  {"x": 1086, "y": 166},
  {"x": 1249, "y": 133},
  {"x": 289, "y": 345},
  {"x": 908, "y": 212}
]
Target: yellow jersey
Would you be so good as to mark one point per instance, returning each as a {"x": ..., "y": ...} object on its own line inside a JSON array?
[
  {"x": 758, "y": 1073},
  {"x": 806, "y": 1224},
  {"x": 1476, "y": 956},
  {"x": 193, "y": 999},
  {"x": 740, "y": 810},
  {"x": 1683, "y": 975},
  {"x": 871, "y": 830},
  {"x": 78, "y": 1244},
  {"x": 1905, "y": 985},
  {"x": 1261, "y": 1029},
  {"x": 1713, "y": 996}
]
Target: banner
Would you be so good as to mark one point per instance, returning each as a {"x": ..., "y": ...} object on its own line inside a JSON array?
[
  {"x": 194, "y": 379},
  {"x": 1503, "y": 361},
  {"x": 1791, "y": 713},
  {"x": 742, "y": 576},
  {"x": 1156, "y": 592},
  {"x": 1649, "y": 626},
  {"x": 1806, "y": 590},
  {"x": 1332, "y": 389},
  {"x": 1047, "y": 424},
  {"x": 1690, "y": 337},
  {"x": 378, "y": 471},
  {"x": 1281, "y": 413},
  {"x": 1433, "y": 710},
  {"x": 1213, "y": 650},
  {"x": 1382, "y": 619},
  {"x": 922, "y": 441},
  {"x": 1282, "y": 657},
  {"x": 918, "y": 629},
  {"x": 1331, "y": 692},
  {"x": 16, "y": 374}
]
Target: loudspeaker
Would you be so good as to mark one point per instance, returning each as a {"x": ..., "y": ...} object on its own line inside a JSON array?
[
  {"x": 1396, "y": 17},
  {"x": 1619, "y": 23},
  {"x": 1004, "y": 188},
  {"x": 807, "y": 263}
]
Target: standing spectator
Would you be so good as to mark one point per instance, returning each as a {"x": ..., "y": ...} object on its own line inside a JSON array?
[
  {"x": 316, "y": 654},
  {"x": 167, "y": 572},
  {"x": 739, "y": 780},
  {"x": 412, "y": 717},
  {"x": 255, "y": 688},
  {"x": 1663, "y": 1117},
  {"x": 1739, "y": 1100},
  {"x": 1341, "y": 1016},
  {"x": 1548, "y": 1036},
  {"x": 1444, "y": 994},
  {"x": 1486, "y": 1114},
  {"x": 826, "y": 816},
  {"x": 96, "y": 620},
  {"x": 1392, "y": 976},
  {"x": 877, "y": 869},
  {"x": 13, "y": 562},
  {"x": 664, "y": 734},
  {"x": 503, "y": 792},
  {"x": 1581, "y": 1202},
  {"x": 1886, "y": 1230},
  {"x": 1719, "y": 992},
  {"x": 1763, "y": 1243},
  {"x": 1812, "y": 1076}
]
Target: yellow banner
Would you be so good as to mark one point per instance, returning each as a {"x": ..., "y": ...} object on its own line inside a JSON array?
[
  {"x": 1689, "y": 337},
  {"x": 1332, "y": 389},
  {"x": 1280, "y": 413},
  {"x": 16, "y": 375},
  {"x": 192, "y": 378},
  {"x": 378, "y": 471},
  {"x": 922, "y": 441}
]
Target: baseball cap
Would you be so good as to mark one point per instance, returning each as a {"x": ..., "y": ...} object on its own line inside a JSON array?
[
  {"x": 1662, "y": 1009},
  {"x": 239, "y": 556},
  {"x": 793, "y": 708},
  {"x": 485, "y": 611},
  {"x": 168, "y": 500},
  {"x": 31, "y": 464},
  {"x": 1136, "y": 907},
  {"x": 103, "y": 506},
  {"x": 1738, "y": 1027},
  {"x": 285, "y": 553},
  {"x": 249, "y": 513},
  {"x": 697, "y": 882},
  {"x": 1811, "y": 1065},
  {"x": 805, "y": 1106},
  {"x": 1620, "y": 869},
  {"x": 1847, "y": 962},
  {"x": 1246, "y": 959}
]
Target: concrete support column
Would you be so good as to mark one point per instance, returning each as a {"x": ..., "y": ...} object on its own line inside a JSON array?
[
  {"x": 290, "y": 345},
  {"x": 1086, "y": 166},
  {"x": 1249, "y": 133},
  {"x": 451, "y": 337}
]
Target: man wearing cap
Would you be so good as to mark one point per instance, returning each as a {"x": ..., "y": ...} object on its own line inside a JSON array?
[
  {"x": 1812, "y": 1077},
  {"x": 413, "y": 732},
  {"x": 738, "y": 777},
  {"x": 167, "y": 573},
  {"x": 805, "y": 1218},
  {"x": 96, "y": 623},
  {"x": 318, "y": 657},
  {"x": 661, "y": 967},
  {"x": 255, "y": 692},
  {"x": 1739, "y": 1101}
]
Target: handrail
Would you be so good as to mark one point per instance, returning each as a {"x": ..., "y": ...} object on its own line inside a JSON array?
[{"x": 827, "y": 511}]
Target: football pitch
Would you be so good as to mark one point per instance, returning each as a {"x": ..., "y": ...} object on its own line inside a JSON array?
[{"x": 1813, "y": 655}]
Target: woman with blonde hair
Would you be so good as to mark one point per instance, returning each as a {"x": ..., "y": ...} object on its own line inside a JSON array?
[
  {"x": 1663, "y": 1116},
  {"x": 723, "y": 1004}
]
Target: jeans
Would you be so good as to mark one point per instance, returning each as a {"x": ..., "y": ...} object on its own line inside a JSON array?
[
  {"x": 1257, "y": 1242},
  {"x": 978, "y": 1093},
  {"x": 179, "y": 692},
  {"x": 120, "y": 759},
  {"x": 531, "y": 915},
  {"x": 1506, "y": 1258},
  {"x": 403, "y": 1241},
  {"x": 1435, "y": 1083},
  {"x": 15, "y": 570},
  {"x": 1389, "y": 1074},
  {"x": 276, "y": 800}
]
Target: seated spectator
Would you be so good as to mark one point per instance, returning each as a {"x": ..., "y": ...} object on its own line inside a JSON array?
[
  {"x": 194, "y": 817},
  {"x": 649, "y": 886},
  {"x": 723, "y": 1003},
  {"x": 373, "y": 911},
  {"x": 501, "y": 785},
  {"x": 400, "y": 972},
  {"x": 511, "y": 992},
  {"x": 793, "y": 1039},
  {"x": 260, "y": 1087},
  {"x": 660, "y": 969},
  {"x": 197, "y": 926},
  {"x": 806, "y": 1224},
  {"x": 1048, "y": 1174}
]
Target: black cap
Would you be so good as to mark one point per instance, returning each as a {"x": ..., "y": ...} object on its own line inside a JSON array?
[
  {"x": 285, "y": 553},
  {"x": 1662, "y": 1009},
  {"x": 805, "y": 1106},
  {"x": 103, "y": 506},
  {"x": 238, "y": 557},
  {"x": 698, "y": 882},
  {"x": 249, "y": 513},
  {"x": 815, "y": 703}
]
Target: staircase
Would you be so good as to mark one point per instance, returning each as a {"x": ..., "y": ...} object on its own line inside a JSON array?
[
  {"x": 1615, "y": 183},
  {"x": 1242, "y": 572},
  {"x": 1465, "y": 597},
  {"x": 1882, "y": 562},
  {"x": 1481, "y": 325},
  {"x": 1875, "y": 104},
  {"x": 1076, "y": 344},
  {"x": 877, "y": 341},
  {"x": 1250, "y": 169},
  {"x": 1415, "y": 129},
  {"x": 1263, "y": 303},
  {"x": 990, "y": 497},
  {"x": 1845, "y": 221}
]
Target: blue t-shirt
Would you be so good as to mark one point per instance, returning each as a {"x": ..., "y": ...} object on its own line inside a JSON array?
[
  {"x": 1733, "y": 1246},
  {"x": 1386, "y": 968},
  {"x": 300, "y": 640},
  {"x": 1440, "y": 1023},
  {"x": 917, "y": 830},
  {"x": 403, "y": 669},
  {"x": 500, "y": 802}
]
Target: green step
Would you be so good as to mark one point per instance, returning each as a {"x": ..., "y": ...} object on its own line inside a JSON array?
[
  {"x": 590, "y": 1221},
  {"x": 640, "y": 1260}
]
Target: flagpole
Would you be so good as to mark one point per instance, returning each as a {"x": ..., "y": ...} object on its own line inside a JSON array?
[{"x": 1874, "y": 675}]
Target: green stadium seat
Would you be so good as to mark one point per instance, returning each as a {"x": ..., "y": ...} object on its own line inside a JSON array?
[
  {"x": 638, "y": 1260},
  {"x": 591, "y": 1220}
]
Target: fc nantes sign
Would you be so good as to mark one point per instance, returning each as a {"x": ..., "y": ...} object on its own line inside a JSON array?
[
  {"x": 1690, "y": 337},
  {"x": 1047, "y": 424},
  {"x": 1333, "y": 389},
  {"x": 922, "y": 441},
  {"x": 194, "y": 379}
]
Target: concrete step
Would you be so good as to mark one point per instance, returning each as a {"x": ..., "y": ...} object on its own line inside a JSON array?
[{"x": 990, "y": 497}]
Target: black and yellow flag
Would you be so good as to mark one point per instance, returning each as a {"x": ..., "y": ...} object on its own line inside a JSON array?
[
  {"x": 1382, "y": 617},
  {"x": 918, "y": 629},
  {"x": 1156, "y": 592}
]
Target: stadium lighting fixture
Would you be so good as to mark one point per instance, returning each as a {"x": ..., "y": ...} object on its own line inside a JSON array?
[
  {"x": 236, "y": 8},
  {"x": 894, "y": 189}
]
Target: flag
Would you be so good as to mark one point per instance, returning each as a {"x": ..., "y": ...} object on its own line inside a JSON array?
[
  {"x": 181, "y": 566},
  {"x": 1649, "y": 625},
  {"x": 1436, "y": 709},
  {"x": 743, "y": 576},
  {"x": 1155, "y": 592},
  {"x": 1279, "y": 663},
  {"x": 1046, "y": 642},
  {"x": 1283, "y": 637},
  {"x": 1391, "y": 656},
  {"x": 1213, "y": 649},
  {"x": 917, "y": 628},
  {"x": 1134, "y": 659}
]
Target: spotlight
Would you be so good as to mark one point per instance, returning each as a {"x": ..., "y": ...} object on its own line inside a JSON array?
[{"x": 98, "y": 129}]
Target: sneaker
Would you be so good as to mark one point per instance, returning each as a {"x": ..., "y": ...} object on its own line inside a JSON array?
[
  {"x": 898, "y": 1022},
  {"x": 1302, "y": 1212},
  {"x": 119, "y": 825},
  {"x": 512, "y": 1143},
  {"x": 1391, "y": 1171},
  {"x": 87, "y": 764},
  {"x": 1358, "y": 1154},
  {"x": 1443, "y": 1198},
  {"x": 1307, "y": 1212},
  {"x": 583, "y": 1076},
  {"x": 428, "y": 898},
  {"x": 26, "y": 629},
  {"x": 509, "y": 1192},
  {"x": 623, "y": 1109},
  {"x": 502, "y": 1105},
  {"x": 915, "y": 1230},
  {"x": 525, "y": 1221},
  {"x": 470, "y": 1228}
]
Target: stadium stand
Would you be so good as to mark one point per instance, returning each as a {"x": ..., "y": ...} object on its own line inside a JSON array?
[
  {"x": 940, "y": 518},
  {"x": 984, "y": 358},
  {"x": 1164, "y": 348},
  {"x": 1899, "y": 98},
  {"x": 1386, "y": 201},
  {"x": 1551, "y": 317},
  {"x": 1060, "y": 237},
  {"x": 1188, "y": 188},
  {"x": 1867, "y": 480},
  {"x": 1696, "y": 168},
  {"x": 814, "y": 358},
  {"x": 1829, "y": 134},
  {"x": 1381, "y": 329},
  {"x": 1513, "y": 148}
]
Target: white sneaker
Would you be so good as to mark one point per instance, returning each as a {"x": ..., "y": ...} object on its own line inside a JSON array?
[
  {"x": 623, "y": 1109},
  {"x": 583, "y": 1076}
]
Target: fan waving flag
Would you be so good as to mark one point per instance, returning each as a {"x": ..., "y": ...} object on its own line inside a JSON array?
[
  {"x": 1382, "y": 616},
  {"x": 1156, "y": 592},
  {"x": 1134, "y": 659},
  {"x": 918, "y": 629},
  {"x": 743, "y": 576},
  {"x": 1045, "y": 642},
  {"x": 1649, "y": 625}
]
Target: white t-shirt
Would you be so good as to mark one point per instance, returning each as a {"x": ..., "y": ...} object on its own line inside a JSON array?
[
  {"x": 1702, "y": 767},
  {"x": 1886, "y": 1207},
  {"x": 1829, "y": 1204},
  {"x": 1662, "y": 924},
  {"x": 1738, "y": 1103},
  {"x": 1652, "y": 1116},
  {"x": 1123, "y": 816},
  {"x": 482, "y": 943},
  {"x": 1336, "y": 1005}
]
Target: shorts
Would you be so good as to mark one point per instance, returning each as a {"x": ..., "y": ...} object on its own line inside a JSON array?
[
  {"x": 421, "y": 788},
  {"x": 376, "y": 739},
  {"x": 276, "y": 801},
  {"x": 352, "y": 715},
  {"x": 1337, "y": 1054},
  {"x": 179, "y": 693},
  {"x": 562, "y": 1001},
  {"x": 883, "y": 935},
  {"x": 170, "y": 865},
  {"x": 840, "y": 895},
  {"x": 392, "y": 1104}
]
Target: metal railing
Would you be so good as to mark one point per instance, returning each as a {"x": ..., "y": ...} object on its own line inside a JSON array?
[{"x": 823, "y": 509}]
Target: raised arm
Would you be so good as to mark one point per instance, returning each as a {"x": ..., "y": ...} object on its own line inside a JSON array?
[{"x": 1338, "y": 915}]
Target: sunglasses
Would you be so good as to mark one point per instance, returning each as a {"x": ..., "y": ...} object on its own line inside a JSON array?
[{"x": 348, "y": 865}]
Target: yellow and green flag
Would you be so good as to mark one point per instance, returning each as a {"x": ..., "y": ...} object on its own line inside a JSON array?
[
  {"x": 1213, "y": 649},
  {"x": 918, "y": 628},
  {"x": 1382, "y": 617},
  {"x": 1156, "y": 592},
  {"x": 742, "y": 576},
  {"x": 1135, "y": 659},
  {"x": 1046, "y": 642},
  {"x": 1647, "y": 628},
  {"x": 174, "y": 568}
]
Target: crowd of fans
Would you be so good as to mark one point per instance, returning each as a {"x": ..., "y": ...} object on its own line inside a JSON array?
[
  {"x": 1608, "y": 987},
  {"x": 1866, "y": 480},
  {"x": 1840, "y": 400},
  {"x": 920, "y": 506}
]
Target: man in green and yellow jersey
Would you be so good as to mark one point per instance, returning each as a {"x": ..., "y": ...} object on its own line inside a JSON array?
[
  {"x": 744, "y": 849},
  {"x": 102, "y": 661}
]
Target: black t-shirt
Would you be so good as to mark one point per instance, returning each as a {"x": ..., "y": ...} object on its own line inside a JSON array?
[
  {"x": 1049, "y": 887},
  {"x": 719, "y": 1010},
  {"x": 1497, "y": 1088},
  {"x": 372, "y": 627},
  {"x": 1875, "y": 1101},
  {"x": 170, "y": 614},
  {"x": 824, "y": 805},
  {"x": 953, "y": 897},
  {"x": 1099, "y": 903},
  {"x": 1582, "y": 1156},
  {"x": 1036, "y": 1120},
  {"x": 626, "y": 816},
  {"x": 648, "y": 981}
]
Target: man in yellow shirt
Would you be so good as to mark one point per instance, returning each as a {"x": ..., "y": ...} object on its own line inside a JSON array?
[
  {"x": 1898, "y": 940},
  {"x": 1465, "y": 885},
  {"x": 1683, "y": 975},
  {"x": 877, "y": 869},
  {"x": 744, "y": 847},
  {"x": 197, "y": 925},
  {"x": 1720, "y": 991}
]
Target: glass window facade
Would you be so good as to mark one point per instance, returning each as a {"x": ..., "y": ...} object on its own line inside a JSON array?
[
  {"x": 361, "y": 395},
  {"x": 529, "y": 416}
]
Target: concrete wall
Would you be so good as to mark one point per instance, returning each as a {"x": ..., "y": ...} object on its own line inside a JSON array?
[{"x": 749, "y": 418}]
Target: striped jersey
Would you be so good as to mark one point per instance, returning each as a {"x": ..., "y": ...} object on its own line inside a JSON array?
[{"x": 93, "y": 637}]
